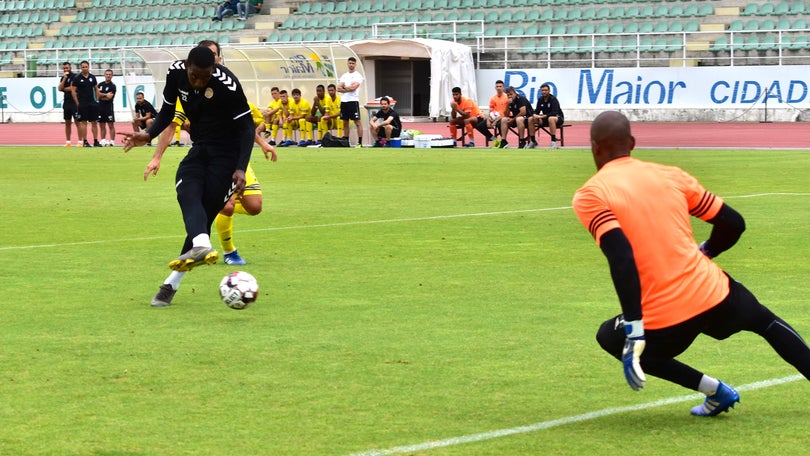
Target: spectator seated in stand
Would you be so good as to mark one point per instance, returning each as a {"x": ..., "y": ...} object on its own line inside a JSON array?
[
  {"x": 245, "y": 9},
  {"x": 228, "y": 8}
]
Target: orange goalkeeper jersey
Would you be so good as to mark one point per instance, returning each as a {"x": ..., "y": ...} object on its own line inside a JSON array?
[{"x": 652, "y": 204}]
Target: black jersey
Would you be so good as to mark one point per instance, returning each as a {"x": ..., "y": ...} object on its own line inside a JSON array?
[
  {"x": 219, "y": 114},
  {"x": 68, "y": 100},
  {"x": 213, "y": 111},
  {"x": 550, "y": 107},
  {"x": 144, "y": 108},
  {"x": 395, "y": 122},
  {"x": 106, "y": 87},
  {"x": 517, "y": 103},
  {"x": 85, "y": 88}
]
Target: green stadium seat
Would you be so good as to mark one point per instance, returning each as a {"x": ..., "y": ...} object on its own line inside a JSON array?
[
  {"x": 304, "y": 8},
  {"x": 783, "y": 24},
  {"x": 588, "y": 14},
  {"x": 736, "y": 25},
  {"x": 766, "y": 9},
  {"x": 645, "y": 44},
  {"x": 720, "y": 44},
  {"x": 797, "y": 8},
  {"x": 559, "y": 29},
  {"x": 751, "y": 42},
  {"x": 545, "y": 29},
  {"x": 519, "y": 15},
  {"x": 751, "y": 25},
  {"x": 646, "y": 11},
  {"x": 632, "y": 12},
  {"x": 617, "y": 27},
  {"x": 692, "y": 26},
  {"x": 799, "y": 43},
  {"x": 750, "y": 9},
  {"x": 675, "y": 27},
  {"x": 705, "y": 10},
  {"x": 547, "y": 15},
  {"x": 603, "y": 28},
  {"x": 676, "y": 11},
  {"x": 799, "y": 24},
  {"x": 661, "y": 11},
  {"x": 767, "y": 24},
  {"x": 661, "y": 27},
  {"x": 690, "y": 10},
  {"x": 574, "y": 29},
  {"x": 574, "y": 14},
  {"x": 588, "y": 29},
  {"x": 603, "y": 13}
]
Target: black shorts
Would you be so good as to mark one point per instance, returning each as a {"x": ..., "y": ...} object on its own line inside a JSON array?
[
  {"x": 544, "y": 121},
  {"x": 350, "y": 110},
  {"x": 106, "y": 113},
  {"x": 87, "y": 112},
  {"x": 68, "y": 112},
  {"x": 739, "y": 311},
  {"x": 395, "y": 132}
]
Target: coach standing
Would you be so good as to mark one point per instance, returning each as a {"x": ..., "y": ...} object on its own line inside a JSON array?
[{"x": 349, "y": 87}]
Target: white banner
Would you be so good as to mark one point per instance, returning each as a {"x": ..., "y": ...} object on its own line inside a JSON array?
[
  {"x": 682, "y": 93},
  {"x": 39, "y": 100}
]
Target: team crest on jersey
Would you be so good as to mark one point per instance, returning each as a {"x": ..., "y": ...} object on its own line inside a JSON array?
[{"x": 209, "y": 92}]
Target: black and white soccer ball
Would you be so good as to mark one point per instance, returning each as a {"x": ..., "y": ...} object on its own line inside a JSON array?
[{"x": 238, "y": 290}]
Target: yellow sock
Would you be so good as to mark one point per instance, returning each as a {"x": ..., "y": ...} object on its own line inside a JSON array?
[
  {"x": 274, "y": 131},
  {"x": 224, "y": 226}
]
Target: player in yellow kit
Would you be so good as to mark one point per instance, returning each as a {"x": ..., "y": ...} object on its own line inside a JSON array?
[
  {"x": 331, "y": 116},
  {"x": 297, "y": 119},
  {"x": 270, "y": 124},
  {"x": 249, "y": 203}
]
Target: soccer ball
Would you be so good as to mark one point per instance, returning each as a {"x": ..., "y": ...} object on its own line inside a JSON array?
[
  {"x": 238, "y": 290},
  {"x": 494, "y": 115}
]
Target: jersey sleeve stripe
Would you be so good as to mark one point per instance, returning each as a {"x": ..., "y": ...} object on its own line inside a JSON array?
[
  {"x": 706, "y": 202},
  {"x": 600, "y": 219}
]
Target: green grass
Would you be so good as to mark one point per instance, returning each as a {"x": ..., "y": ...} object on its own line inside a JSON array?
[{"x": 407, "y": 296}]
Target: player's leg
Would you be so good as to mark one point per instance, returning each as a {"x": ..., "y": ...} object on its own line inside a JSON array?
[
  {"x": 68, "y": 116},
  {"x": 200, "y": 188}
]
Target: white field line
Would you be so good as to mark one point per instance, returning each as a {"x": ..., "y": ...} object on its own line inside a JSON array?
[
  {"x": 331, "y": 225},
  {"x": 563, "y": 421}
]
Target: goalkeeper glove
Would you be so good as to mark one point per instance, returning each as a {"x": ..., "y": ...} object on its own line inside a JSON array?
[{"x": 631, "y": 354}]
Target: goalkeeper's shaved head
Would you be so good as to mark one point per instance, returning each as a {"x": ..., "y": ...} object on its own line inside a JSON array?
[{"x": 610, "y": 137}]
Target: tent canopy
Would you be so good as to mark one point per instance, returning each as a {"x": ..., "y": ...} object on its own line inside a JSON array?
[{"x": 451, "y": 65}]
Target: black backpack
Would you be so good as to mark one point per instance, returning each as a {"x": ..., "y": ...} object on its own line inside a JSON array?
[{"x": 332, "y": 141}]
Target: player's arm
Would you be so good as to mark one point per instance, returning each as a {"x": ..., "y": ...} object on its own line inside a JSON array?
[
  {"x": 164, "y": 139},
  {"x": 727, "y": 227},
  {"x": 623, "y": 271}
]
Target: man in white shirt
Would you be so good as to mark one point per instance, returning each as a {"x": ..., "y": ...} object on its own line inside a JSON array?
[{"x": 349, "y": 87}]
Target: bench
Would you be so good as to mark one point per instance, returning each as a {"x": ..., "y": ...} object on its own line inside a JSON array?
[{"x": 560, "y": 133}]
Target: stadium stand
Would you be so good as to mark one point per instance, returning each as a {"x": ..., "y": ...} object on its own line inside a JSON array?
[{"x": 37, "y": 35}]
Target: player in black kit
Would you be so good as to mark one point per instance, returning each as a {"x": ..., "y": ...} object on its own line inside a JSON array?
[{"x": 222, "y": 134}]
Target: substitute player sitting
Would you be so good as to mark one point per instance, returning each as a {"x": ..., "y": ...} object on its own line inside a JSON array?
[{"x": 465, "y": 114}]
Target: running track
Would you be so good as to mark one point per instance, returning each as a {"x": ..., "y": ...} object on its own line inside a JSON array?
[{"x": 753, "y": 135}]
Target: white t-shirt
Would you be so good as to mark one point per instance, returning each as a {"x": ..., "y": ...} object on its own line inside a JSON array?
[{"x": 348, "y": 79}]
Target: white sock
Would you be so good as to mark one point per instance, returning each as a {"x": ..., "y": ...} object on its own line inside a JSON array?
[
  {"x": 708, "y": 385},
  {"x": 201, "y": 240},
  {"x": 174, "y": 279}
]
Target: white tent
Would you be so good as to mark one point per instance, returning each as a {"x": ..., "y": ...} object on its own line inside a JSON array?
[{"x": 451, "y": 65}]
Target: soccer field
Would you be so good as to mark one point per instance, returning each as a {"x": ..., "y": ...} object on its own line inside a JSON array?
[{"x": 413, "y": 301}]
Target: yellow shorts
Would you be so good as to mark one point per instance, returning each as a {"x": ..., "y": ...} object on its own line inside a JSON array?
[{"x": 252, "y": 186}]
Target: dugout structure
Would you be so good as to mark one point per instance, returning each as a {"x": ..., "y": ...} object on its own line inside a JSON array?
[{"x": 261, "y": 67}]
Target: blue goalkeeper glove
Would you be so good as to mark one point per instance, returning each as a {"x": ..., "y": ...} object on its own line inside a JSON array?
[{"x": 631, "y": 354}]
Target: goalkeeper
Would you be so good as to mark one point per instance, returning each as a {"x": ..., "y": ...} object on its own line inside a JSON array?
[{"x": 669, "y": 288}]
